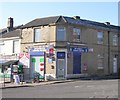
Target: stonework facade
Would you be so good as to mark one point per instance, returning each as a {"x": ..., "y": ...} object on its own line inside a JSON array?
[{"x": 78, "y": 49}]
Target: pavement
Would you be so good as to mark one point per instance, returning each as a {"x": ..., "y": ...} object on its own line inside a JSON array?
[
  {"x": 30, "y": 84},
  {"x": 24, "y": 84}
]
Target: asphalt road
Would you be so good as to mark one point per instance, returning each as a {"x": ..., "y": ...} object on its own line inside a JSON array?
[{"x": 77, "y": 89}]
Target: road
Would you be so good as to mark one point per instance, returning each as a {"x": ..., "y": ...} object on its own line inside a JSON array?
[{"x": 76, "y": 89}]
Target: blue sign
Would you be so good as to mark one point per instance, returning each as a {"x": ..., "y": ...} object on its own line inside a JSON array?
[
  {"x": 61, "y": 55},
  {"x": 80, "y": 49},
  {"x": 37, "y": 53}
]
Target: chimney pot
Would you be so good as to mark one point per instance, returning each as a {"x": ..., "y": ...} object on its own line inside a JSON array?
[
  {"x": 76, "y": 17},
  {"x": 107, "y": 23}
]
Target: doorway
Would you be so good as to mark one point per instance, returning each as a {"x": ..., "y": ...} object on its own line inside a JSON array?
[
  {"x": 61, "y": 65},
  {"x": 76, "y": 62}
]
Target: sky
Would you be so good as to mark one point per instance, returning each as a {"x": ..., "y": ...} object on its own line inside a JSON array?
[{"x": 24, "y": 12}]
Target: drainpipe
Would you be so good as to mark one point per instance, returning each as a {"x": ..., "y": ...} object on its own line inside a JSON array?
[{"x": 108, "y": 52}]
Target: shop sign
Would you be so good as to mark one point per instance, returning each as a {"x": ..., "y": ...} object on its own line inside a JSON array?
[
  {"x": 82, "y": 50},
  {"x": 24, "y": 59}
]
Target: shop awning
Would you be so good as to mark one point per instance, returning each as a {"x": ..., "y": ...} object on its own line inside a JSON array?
[{"x": 7, "y": 63}]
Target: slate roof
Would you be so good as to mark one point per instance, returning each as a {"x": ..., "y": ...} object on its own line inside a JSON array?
[
  {"x": 2, "y": 31},
  {"x": 41, "y": 21},
  {"x": 83, "y": 22},
  {"x": 15, "y": 33},
  {"x": 71, "y": 20}
]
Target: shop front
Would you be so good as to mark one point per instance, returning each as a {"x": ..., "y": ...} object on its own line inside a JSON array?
[{"x": 37, "y": 65}]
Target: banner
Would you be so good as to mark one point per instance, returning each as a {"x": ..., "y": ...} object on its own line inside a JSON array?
[{"x": 24, "y": 59}]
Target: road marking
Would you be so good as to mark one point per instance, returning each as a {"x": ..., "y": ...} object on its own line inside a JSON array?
[
  {"x": 90, "y": 86},
  {"x": 78, "y": 86}
]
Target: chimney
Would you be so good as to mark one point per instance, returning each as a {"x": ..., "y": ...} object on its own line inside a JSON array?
[
  {"x": 10, "y": 24},
  {"x": 76, "y": 17},
  {"x": 107, "y": 23}
]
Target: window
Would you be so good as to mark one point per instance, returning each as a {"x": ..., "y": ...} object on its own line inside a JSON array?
[
  {"x": 100, "y": 61},
  {"x": 115, "y": 40},
  {"x": 37, "y": 35},
  {"x": 100, "y": 37},
  {"x": 61, "y": 34},
  {"x": 115, "y": 67},
  {"x": 15, "y": 46},
  {"x": 1, "y": 47},
  {"x": 76, "y": 34}
]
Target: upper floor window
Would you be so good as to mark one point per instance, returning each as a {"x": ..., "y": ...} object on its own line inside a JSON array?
[
  {"x": 115, "y": 40},
  {"x": 15, "y": 46},
  {"x": 1, "y": 46},
  {"x": 76, "y": 34},
  {"x": 61, "y": 34},
  {"x": 100, "y": 37},
  {"x": 37, "y": 35}
]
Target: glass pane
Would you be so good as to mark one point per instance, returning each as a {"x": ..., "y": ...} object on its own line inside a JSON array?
[
  {"x": 37, "y": 35},
  {"x": 115, "y": 40},
  {"x": 15, "y": 46},
  {"x": 76, "y": 34},
  {"x": 61, "y": 34},
  {"x": 100, "y": 35}
]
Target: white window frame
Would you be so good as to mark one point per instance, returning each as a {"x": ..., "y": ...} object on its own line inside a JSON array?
[
  {"x": 15, "y": 47},
  {"x": 60, "y": 29},
  {"x": 100, "y": 36},
  {"x": 37, "y": 38},
  {"x": 76, "y": 34},
  {"x": 100, "y": 61},
  {"x": 115, "y": 40}
]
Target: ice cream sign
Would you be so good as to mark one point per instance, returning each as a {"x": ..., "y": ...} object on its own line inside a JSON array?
[{"x": 38, "y": 64}]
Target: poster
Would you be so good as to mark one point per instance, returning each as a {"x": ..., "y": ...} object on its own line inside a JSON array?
[{"x": 24, "y": 59}]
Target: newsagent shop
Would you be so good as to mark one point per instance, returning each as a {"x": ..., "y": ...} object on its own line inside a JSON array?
[{"x": 63, "y": 47}]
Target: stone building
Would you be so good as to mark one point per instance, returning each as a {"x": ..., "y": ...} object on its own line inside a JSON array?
[{"x": 71, "y": 47}]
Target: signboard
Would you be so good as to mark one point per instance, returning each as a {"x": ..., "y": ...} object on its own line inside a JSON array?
[
  {"x": 82, "y": 50},
  {"x": 24, "y": 59},
  {"x": 37, "y": 66}
]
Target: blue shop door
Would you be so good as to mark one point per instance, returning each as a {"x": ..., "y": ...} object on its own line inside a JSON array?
[{"x": 76, "y": 62}]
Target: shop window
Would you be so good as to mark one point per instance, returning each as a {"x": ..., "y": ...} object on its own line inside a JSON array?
[
  {"x": 61, "y": 34},
  {"x": 37, "y": 35},
  {"x": 76, "y": 34},
  {"x": 115, "y": 40},
  {"x": 100, "y": 61},
  {"x": 100, "y": 37}
]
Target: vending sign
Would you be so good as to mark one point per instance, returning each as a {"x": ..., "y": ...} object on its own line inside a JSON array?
[{"x": 24, "y": 60}]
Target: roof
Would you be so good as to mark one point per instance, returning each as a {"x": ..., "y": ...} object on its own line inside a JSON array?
[
  {"x": 15, "y": 33},
  {"x": 2, "y": 31},
  {"x": 83, "y": 22},
  {"x": 41, "y": 21},
  {"x": 70, "y": 20}
]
